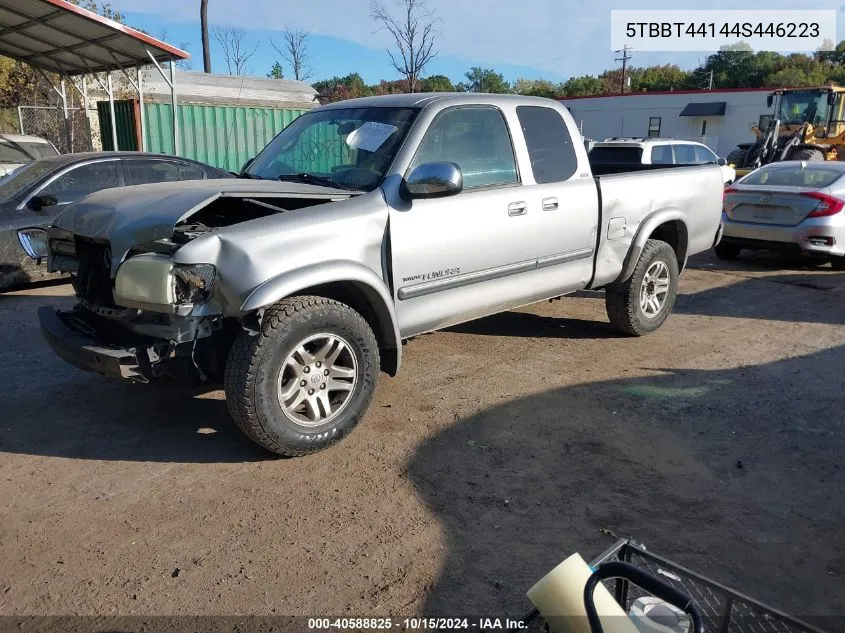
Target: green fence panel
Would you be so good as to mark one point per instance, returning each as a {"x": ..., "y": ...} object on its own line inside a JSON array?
[
  {"x": 222, "y": 136},
  {"x": 124, "y": 115}
]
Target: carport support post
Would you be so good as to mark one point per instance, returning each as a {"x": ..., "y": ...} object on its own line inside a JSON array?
[
  {"x": 175, "y": 113},
  {"x": 171, "y": 82},
  {"x": 68, "y": 135},
  {"x": 140, "y": 88},
  {"x": 111, "y": 112},
  {"x": 83, "y": 92}
]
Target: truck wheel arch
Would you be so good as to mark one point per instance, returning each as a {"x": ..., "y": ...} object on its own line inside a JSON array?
[
  {"x": 665, "y": 225},
  {"x": 348, "y": 282}
]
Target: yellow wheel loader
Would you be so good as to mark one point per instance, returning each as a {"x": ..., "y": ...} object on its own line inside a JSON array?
[{"x": 807, "y": 124}]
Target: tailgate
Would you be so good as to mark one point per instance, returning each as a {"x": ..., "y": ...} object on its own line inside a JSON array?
[{"x": 769, "y": 206}]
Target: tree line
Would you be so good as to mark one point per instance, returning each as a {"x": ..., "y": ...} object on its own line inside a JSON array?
[{"x": 732, "y": 67}]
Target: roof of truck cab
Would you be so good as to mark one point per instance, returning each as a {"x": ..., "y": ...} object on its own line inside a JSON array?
[{"x": 424, "y": 99}]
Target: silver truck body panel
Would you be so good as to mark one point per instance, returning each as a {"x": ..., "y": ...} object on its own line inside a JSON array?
[{"x": 427, "y": 263}]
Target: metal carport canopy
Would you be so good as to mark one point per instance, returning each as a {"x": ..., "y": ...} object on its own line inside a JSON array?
[{"x": 58, "y": 37}]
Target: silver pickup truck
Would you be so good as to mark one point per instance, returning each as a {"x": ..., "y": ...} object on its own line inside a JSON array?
[{"x": 361, "y": 224}]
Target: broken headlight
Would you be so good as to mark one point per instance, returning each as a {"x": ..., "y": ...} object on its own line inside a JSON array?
[{"x": 193, "y": 283}]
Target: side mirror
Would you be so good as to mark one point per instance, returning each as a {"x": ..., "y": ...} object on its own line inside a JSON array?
[
  {"x": 434, "y": 180},
  {"x": 36, "y": 203},
  {"x": 247, "y": 164},
  {"x": 721, "y": 161},
  {"x": 769, "y": 100}
]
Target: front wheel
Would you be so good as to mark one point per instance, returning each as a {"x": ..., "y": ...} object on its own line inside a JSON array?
[
  {"x": 641, "y": 304},
  {"x": 306, "y": 379}
]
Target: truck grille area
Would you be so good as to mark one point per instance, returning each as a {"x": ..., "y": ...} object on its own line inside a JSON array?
[{"x": 92, "y": 281}]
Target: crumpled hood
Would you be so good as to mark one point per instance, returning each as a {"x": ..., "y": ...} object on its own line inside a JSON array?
[{"x": 129, "y": 216}]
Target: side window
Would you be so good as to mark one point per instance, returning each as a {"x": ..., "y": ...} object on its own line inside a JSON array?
[
  {"x": 144, "y": 170},
  {"x": 189, "y": 171},
  {"x": 704, "y": 155},
  {"x": 80, "y": 181},
  {"x": 661, "y": 155},
  {"x": 684, "y": 154},
  {"x": 549, "y": 144},
  {"x": 477, "y": 139}
]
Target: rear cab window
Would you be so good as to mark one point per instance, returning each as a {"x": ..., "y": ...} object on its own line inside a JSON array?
[
  {"x": 616, "y": 155},
  {"x": 793, "y": 176},
  {"x": 549, "y": 144}
]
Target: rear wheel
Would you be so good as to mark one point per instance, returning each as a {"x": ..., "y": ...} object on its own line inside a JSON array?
[
  {"x": 838, "y": 263},
  {"x": 306, "y": 379},
  {"x": 727, "y": 252},
  {"x": 808, "y": 154},
  {"x": 641, "y": 304}
]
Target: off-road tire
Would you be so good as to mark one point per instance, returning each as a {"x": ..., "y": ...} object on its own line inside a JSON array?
[
  {"x": 727, "y": 252},
  {"x": 255, "y": 360},
  {"x": 808, "y": 154},
  {"x": 622, "y": 299}
]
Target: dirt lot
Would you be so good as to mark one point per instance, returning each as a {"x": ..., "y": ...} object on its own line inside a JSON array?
[{"x": 502, "y": 446}]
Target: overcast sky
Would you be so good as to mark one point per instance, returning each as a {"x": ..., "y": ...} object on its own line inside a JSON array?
[{"x": 532, "y": 38}]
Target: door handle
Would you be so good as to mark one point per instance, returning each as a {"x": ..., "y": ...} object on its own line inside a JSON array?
[
  {"x": 517, "y": 208},
  {"x": 549, "y": 204}
]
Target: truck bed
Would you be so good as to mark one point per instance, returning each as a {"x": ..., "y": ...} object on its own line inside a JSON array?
[{"x": 629, "y": 200}]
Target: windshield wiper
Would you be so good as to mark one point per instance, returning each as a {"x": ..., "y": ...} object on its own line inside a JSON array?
[
  {"x": 317, "y": 180},
  {"x": 246, "y": 174}
]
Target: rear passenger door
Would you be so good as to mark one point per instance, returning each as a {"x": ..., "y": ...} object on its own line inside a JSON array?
[{"x": 563, "y": 202}]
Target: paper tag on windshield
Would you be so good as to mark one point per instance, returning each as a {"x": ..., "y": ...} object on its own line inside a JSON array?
[{"x": 370, "y": 136}]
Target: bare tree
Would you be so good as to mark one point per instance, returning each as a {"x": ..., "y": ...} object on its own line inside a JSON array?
[
  {"x": 235, "y": 51},
  {"x": 206, "y": 49},
  {"x": 413, "y": 34},
  {"x": 294, "y": 50}
]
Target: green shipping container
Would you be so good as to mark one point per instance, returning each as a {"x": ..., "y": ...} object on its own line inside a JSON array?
[{"x": 222, "y": 136}]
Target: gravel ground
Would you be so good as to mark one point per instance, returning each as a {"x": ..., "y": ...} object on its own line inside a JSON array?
[{"x": 503, "y": 446}]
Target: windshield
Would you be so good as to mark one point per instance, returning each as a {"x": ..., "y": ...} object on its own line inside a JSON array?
[
  {"x": 803, "y": 105},
  {"x": 23, "y": 177},
  {"x": 351, "y": 147},
  {"x": 12, "y": 152}
]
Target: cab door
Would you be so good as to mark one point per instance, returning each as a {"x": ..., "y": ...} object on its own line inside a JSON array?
[
  {"x": 457, "y": 258},
  {"x": 563, "y": 199}
]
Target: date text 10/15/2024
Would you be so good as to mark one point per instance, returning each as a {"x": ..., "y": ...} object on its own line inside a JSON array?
[{"x": 416, "y": 624}]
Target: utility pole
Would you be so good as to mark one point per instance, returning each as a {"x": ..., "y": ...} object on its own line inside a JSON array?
[
  {"x": 206, "y": 49},
  {"x": 710, "y": 85},
  {"x": 624, "y": 59}
]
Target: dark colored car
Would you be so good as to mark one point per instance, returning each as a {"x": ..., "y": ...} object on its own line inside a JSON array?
[{"x": 37, "y": 192}]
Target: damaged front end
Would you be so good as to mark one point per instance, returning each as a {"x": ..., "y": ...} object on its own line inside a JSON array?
[
  {"x": 138, "y": 325},
  {"x": 141, "y": 315}
]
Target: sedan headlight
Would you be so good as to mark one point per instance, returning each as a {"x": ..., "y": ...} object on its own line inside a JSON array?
[
  {"x": 34, "y": 242},
  {"x": 193, "y": 283}
]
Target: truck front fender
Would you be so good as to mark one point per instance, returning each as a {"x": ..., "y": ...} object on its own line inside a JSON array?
[
  {"x": 648, "y": 226},
  {"x": 347, "y": 281}
]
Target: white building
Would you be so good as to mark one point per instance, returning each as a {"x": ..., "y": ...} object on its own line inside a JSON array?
[{"x": 718, "y": 118}]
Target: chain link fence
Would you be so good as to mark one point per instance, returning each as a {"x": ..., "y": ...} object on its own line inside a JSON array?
[{"x": 48, "y": 122}]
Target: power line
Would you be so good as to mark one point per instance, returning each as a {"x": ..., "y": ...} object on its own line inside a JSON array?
[{"x": 624, "y": 59}]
